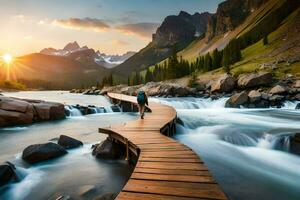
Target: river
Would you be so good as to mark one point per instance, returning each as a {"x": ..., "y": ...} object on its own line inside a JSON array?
[{"x": 247, "y": 150}]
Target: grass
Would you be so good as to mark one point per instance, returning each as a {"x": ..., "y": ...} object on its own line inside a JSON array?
[{"x": 11, "y": 85}]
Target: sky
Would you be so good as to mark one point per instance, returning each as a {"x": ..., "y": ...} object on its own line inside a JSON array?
[{"x": 111, "y": 26}]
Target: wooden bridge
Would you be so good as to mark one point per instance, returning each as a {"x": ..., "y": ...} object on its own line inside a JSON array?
[{"x": 165, "y": 169}]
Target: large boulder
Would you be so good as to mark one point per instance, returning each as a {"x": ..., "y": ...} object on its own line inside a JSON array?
[
  {"x": 224, "y": 84},
  {"x": 49, "y": 111},
  {"x": 15, "y": 111},
  {"x": 297, "y": 106},
  {"x": 7, "y": 174},
  {"x": 255, "y": 80},
  {"x": 254, "y": 96},
  {"x": 278, "y": 89},
  {"x": 13, "y": 104},
  {"x": 108, "y": 150},
  {"x": 68, "y": 142},
  {"x": 237, "y": 100},
  {"x": 41, "y": 152},
  {"x": 12, "y": 118}
]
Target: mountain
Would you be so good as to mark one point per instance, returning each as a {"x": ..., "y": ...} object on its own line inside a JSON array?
[
  {"x": 230, "y": 14},
  {"x": 74, "y": 51},
  {"x": 71, "y": 46},
  {"x": 54, "y": 72},
  {"x": 111, "y": 61},
  {"x": 266, "y": 31},
  {"x": 179, "y": 30},
  {"x": 229, "y": 23}
]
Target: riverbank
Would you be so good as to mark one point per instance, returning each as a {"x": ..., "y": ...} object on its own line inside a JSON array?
[
  {"x": 89, "y": 178},
  {"x": 253, "y": 90}
]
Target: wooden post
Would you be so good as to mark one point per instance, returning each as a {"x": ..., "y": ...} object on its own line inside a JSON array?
[{"x": 127, "y": 149}]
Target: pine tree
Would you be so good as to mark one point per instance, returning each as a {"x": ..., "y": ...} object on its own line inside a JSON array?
[
  {"x": 148, "y": 76},
  {"x": 265, "y": 40},
  {"x": 207, "y": 62}
]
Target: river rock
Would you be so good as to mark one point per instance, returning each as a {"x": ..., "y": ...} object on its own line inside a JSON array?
[
  {"x": 12, "y": 118},
  {"x": 86, "y": 190},
  {"x": 295, "y": 144},
  {"x": 237, "y": 100},
  {"x": 254, "y": 96},
  {"x": 297, "y": 106},
  {"x": 278, "y": 89},
  {"x": 224, "y": 84},
  {"x": 68, "y": 142},
  {"x": 14, "y": 111},
  {"x": 7, "y": 173},
  {"x": 255, "y": 80},
  {"x": 41, "y": 152},
  {"x": 297, "y": 84},
  {"x": 108, "y": 150},
  {"x": 49, "y": 111}
]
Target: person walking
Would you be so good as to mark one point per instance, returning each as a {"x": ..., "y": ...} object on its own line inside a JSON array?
[{"x": 142, "y": 100}]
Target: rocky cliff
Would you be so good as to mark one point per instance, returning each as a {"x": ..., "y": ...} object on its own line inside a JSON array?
[
  {"x": 230, "y": 14},
  {"x": 179, "y": 29}
]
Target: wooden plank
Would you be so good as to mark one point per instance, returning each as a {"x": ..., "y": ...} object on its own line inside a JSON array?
[
  {"x": 185, "y": 189},
  {"x": 165, "y": 169},
  {"x": 180, "y": 178},
  {"x": 182, "y": 160},
  {"x": 143, "y": 196},
  {"x": 172, "y": 171},
  {"x": 170, "y": 165}
]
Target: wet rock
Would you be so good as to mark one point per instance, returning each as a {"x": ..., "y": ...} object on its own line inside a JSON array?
[
  {"x": 115, "y": 108},
  {"x": 276, "y": 100},
  {"x": 237, "y": 100},
  {"x": 7, "y": 174},
  {"x": 15, "y": 111},
  {"x": 41, "y": 152},
  {"x": 181, "y": 91},
  {"x": 297, "y": 106},
  {"x": 295, "y": 144},
  {"x": 255, "y": 80},
  {"x": 265, "y": 96},
  {"x": 86, "y": 190},
  {"x": 68, "y": 142},
  {"x": 278, "y": 89},
  {"x": 254, "y": 96},
  {"x": 12, "y": 118},
  {"x": 49, "y": 111},
  {"x": 108, "y": 196},
  {"x": 108, "y": 150},
  {"x": 297, "y": 84},
  {"x": 224, "y": 84}
]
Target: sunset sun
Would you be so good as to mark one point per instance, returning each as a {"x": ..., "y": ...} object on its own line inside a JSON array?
[{"x": 7, "y": 58}]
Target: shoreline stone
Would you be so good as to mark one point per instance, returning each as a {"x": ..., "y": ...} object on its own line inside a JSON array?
[
  {"x": 41, "y": 152},
  {"x": 14, "y": 111},
  {"x": 68, "y": 142}
]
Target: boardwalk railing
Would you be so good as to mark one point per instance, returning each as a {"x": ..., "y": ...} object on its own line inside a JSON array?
[{"x": 165, "y": 169}]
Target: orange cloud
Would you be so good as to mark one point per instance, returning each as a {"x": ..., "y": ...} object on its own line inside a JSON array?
[
  {"x": 85, "y": 23},
  {"x": 119, "y": 42},
  {"x": 144, "y": 30}
]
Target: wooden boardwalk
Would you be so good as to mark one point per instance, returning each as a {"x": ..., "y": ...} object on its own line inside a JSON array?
[{"x": 165, "y": 168}]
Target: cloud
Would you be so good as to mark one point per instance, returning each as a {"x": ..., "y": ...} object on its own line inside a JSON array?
[
  {"x": 119, "y": 42},
  {"x": 84, "y": 23},
  {"x": 144, "y": 30},
  {"x": 131, "y": 17}
]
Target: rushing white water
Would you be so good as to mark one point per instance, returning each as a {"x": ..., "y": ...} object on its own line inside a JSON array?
[
  {"x": 247, "y": 150},
  {"x": 65, "y": 175}
]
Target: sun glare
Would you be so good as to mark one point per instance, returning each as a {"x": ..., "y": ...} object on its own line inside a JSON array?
[{"x": 7, "y": 58}]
